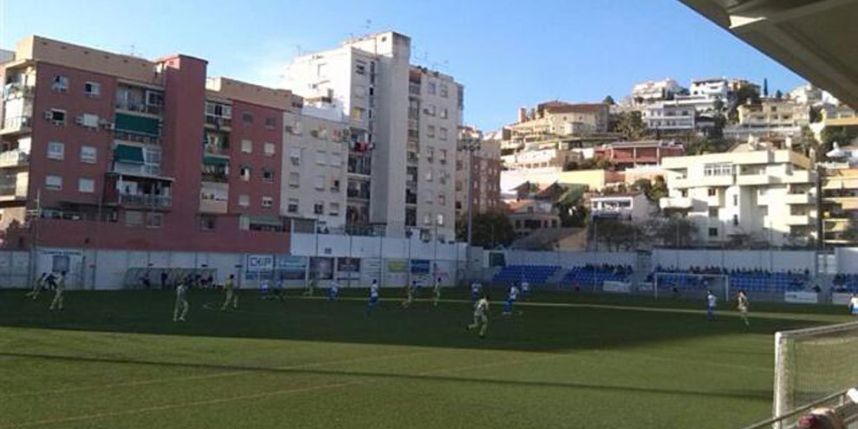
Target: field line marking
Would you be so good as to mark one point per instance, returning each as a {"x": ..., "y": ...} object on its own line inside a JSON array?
[
  {"x": 265, "y": 394},
  {"x": 212, "y": 376}
]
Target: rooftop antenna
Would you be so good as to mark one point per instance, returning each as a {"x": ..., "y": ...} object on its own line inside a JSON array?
[
  {"x": 367, "y": 25},
  {"x": 298, "y": 49}
]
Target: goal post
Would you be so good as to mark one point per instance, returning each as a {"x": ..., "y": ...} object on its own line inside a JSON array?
[
  {"x": 813, "y": 366},
  {"x": 691, "y": 285}
]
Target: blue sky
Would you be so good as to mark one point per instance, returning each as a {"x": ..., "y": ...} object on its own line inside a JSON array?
[{"x": 506, "y": 53}]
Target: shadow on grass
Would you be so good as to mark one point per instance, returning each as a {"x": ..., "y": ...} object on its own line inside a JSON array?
[
  {"x": 540, "y": 329},
  {"x": 731, "y": 394}
]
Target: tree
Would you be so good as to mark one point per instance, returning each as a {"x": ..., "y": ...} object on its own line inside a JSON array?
[
  {"x": 815, "y": 114},
  {"x": 831, "y": 135},
  {"x": 658, "y": 190},
  {"x": 643, "y": 185},
  {"x": 672, "y": 232},
  {"x": 615, "y": 234},
  {"x": 609, "y": 100},
  {"x": 490, "y": 229},
  {"x": 631, "y": 125},
  {"x": 779, "y": 95},
  {"x": 807, "y": 143}
]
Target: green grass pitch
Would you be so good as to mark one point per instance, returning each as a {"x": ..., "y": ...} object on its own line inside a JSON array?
[{"x": 116, "y": 360}]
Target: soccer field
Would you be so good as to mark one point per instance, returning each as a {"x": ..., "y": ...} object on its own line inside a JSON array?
[{"x": 116, "y": 360}]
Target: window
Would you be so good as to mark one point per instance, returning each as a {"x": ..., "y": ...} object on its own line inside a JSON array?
[
  {"x": 246, "y": 146},
  {"x": 429, "y": 109},
  {"x": 430, "y": 131},
  {"x": 320, "y": 157},
  {"x": 430, "y": 154},
  {"x": 292, "y": 206},
  {"x": 247, "y": 118},
  {"x": 319, "y": 208},
  {"x": 360, "y": 67},
  {"x": 267, "y": 175},
  {"x": 294, "y": 179},
  {"x": 713, "y": 212},
  {"x": 320, "y": 182},
  {"x": 244, "y": 200},
  {"x": 268, "y": 149},
  {"x": 56, "y": 150},
  {"x": 207, "y": 222},
  {"x": 429, "y": 175},
  {"x": 431, "y": 88},
  {"x": 244, "y": 172},
  {"x": 270, "y": 122},
  {"x": 335, "y": 185},
  {"x": 334, "y": 209},
  {"x": 133, "y": 218},
  {"x": 154, "y": 220},
  {"x": 735, "y": 200},
  {"x": 442, "y": 133},
  {"x": 61, "y": 83},
  {"x": 721, "y": 169},
  {"x": 713, "y": 232},
  {"x": 57, "y": 116},
  {"x": 295, "y": 156},
  {"x": 442, "y": 199},
  {"x": 336, "y": 159},
  {"x": 86, "y": 186},
  {"x": 92, "y": 89},
  {"x": 735, "y": 220},
  {"x": 358, "y": 113},
  {"x": 712, "y": 192},
  {"x": 427, "y": 219},
  {"x": 444, "y": 113},
  {"x": 88, "y": 154},
  {"x": 442, "y": 156},
  {"x": 444, "y": 91},
  {"x": 267, "y": 202},
  {"x": 54, "y": 183}
]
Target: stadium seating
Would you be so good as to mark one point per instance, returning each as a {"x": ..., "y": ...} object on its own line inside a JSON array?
[
  {"x": 533, "y": 274},
  {"x": 595, "y": 276},
  {"x": 846, "y": 283},
  {"x": 749, "y": 281}
]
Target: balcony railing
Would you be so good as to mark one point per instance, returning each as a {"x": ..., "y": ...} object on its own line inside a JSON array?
[
  {"x": 217, "y": 150},
  {"x": 15, "y": 124},
  {"x": 218, "y": 121},
  {"x": 131, "y": 106},
  {"x": 17, "y": 90},
  {"x": 215, "y": 177},
  {"x": 146, "y": 200},
  {"x": 137, "y": 169},
  {"x": 13, "y": 158}
]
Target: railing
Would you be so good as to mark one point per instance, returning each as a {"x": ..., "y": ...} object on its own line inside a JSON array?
[
  {"x": 17, "y": 90},
  {"x": 217, "y": 150},
  {"x": 137, "y": 138},
  {"x": 129, "y": 106},
  {"x": 847, "y": 412},
  {"x": 218, "y": 121},
  {"x": 213, "y": 177},
  {"x": 138, "y": 169},
  {"x": 17, "y": 123},
  {"x": 146, "y": 200},
  {"x": 13, "y": 158},
  {"x": 354, "y": 193}
]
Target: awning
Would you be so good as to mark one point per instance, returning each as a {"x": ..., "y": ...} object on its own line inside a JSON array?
[
  {"x": 128, "y": 154},
  {"x": 215, "y": 160},
  {"x": 135, "y": 124},
  {"x": 266, "y": 220}
]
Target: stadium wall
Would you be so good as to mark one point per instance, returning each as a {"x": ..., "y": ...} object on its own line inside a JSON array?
[{"x": 569, "y": 259}]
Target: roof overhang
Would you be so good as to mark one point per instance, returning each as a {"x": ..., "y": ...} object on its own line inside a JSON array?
[{"x": 814, "y": 38}]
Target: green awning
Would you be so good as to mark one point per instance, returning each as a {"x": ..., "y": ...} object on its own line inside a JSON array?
[
  {"x": 128, "y": 154},
  {"x": 265, "y": 220},
  {"x": 215, "y": 160},
  {"x": 135, "y": 124}
]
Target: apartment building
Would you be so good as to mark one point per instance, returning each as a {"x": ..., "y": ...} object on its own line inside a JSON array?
[
  {"x": 403, "y": 120},
  {"x": 752, "y": 193},
  {"x": 716, "y": 88},
  {"x": 770, "y": 117},
  {"x": 839, "y": 204},
  {"x": 655, "y": 90},
  {"x": 478, "y": 169},
  {"x": 315, "y": 179},
  {"x": 97, "y": 152},
  {"x": 633, "y": 154},
  {"x": 670, "y": 116},
  {"x": 558, "y": 118}
]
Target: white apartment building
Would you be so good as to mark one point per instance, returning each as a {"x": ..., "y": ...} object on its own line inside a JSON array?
[
  {"x": 669, "y": 115},
  {"x": 765, "y": 195},
  {"x": 401, "y": 117},
  {"x": 652, "y": 91},
  {"x": 315, "y": 155},
  {"x": 710, "y": 88}
]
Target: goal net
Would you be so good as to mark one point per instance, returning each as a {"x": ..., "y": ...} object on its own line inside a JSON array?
[
  {"x": 813, "y": 367},
  {"x": 691, "y": 285}
]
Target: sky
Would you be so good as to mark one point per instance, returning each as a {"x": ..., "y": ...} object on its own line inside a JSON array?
[{"x": 507, "y": 53}]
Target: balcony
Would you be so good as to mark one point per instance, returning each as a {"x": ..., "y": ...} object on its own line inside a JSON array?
[
  {"x": 13, "y": 191},
  {"x": 14, "y": 159},
  {"x": 16, "y": 90},
  {"x": 144, "y": 170},
  {"x": 216, "y": 150},
  {"x": 17, "y": 125},
  {"x": 137, "y": 107},
  {"x": 798, "y": 199},
  {"x": 753, "y": 179},
  {"x": 218, "y": 122},
  {"x": 148, "y": 201},
  {"x": 797, "y": 220},
  {"x": 215, "y": 177},
  {"x": 701, "y": 182},
  {"x": 676, "y": 203}
]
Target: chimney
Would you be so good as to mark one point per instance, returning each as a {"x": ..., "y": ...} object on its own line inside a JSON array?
[{"x": 522, "y": 114}]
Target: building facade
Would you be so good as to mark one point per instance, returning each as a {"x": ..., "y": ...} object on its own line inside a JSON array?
[
  {"x": 634, "y": 154},
  {"x": 653, "y": 91},
  {"x": 98, "y": 152},
  {"x": 754, "y": 194},
  {"x": 403, "y": 121},
  {"x": 480, "y": 170},
  {"x": 771, "y": 117}
]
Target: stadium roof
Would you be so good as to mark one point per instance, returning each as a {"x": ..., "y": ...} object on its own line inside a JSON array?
[{"x": 814, "y": 38}]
